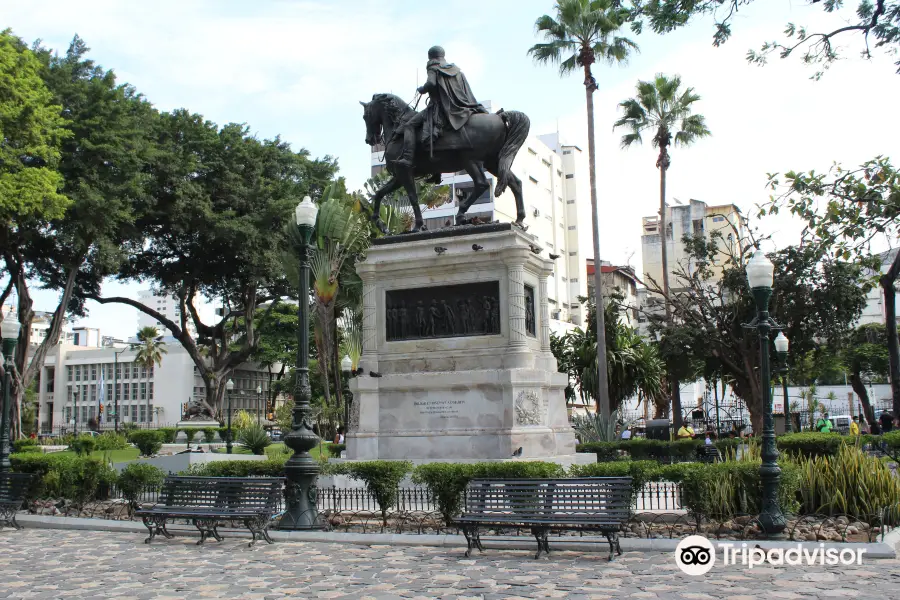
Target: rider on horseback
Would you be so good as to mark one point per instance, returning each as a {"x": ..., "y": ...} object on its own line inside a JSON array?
[{"x": 451, "y": 101}]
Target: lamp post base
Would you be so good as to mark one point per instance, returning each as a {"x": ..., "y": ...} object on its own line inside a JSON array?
[{"x": 301, "y": 493}]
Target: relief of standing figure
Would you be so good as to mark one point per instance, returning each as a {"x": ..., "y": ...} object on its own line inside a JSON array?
[{"x": 421, "y": 321}]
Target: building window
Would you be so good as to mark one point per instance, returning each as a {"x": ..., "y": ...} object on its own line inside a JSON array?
[
  {"x": 559, "y": 173},
  {"x": 574, "y": 280},
  {"x": 69, "y": 371},
  {"x": 718, "y": 219},
  {"x": 530, "y": 151},
  {"x": 134, "y": 391},
  {"x": 93, "y": 372},
  {"x": 566, "y": 152},
  {"x": 135, "y": 370},
  {"x": 570, "y": 176},
  {"x": 143, "y": 391},
  {"x": 570, "y": 202},
  {"x": 571, "y": 228},
  {"x": 572, "y": 253},
  {"x": 150, "y": 390},
  {"x": 532, "y": 179},
  {"x": 143, "y": 413}
]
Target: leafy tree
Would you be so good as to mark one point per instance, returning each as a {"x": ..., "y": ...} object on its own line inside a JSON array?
[
  {"x": 396, "y": 211},
  {"x": 583, "y": 32},
  {"x": 150, "y": 349},
  {"x": 877, "y": 21},
  {"x": 866, "y": 355},
  {"x": 276, "y": 350},
  {"x": 815, "y": 298},
  {"x": 102, "y": 162},
  {"x": 634, "y": 367},
  {"x": 845, "y": 212},
  {"x": 664, "y": 109},
  {"x": 215, "y": 228},
  {"x": 31, "y": 131}
]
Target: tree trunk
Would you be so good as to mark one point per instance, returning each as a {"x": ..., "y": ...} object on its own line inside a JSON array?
[
  {"x": 859, "y": 387},
  {"x": 675, "y": 386},
  {"x": 890, "y": 322},
  {"x": 336, "y": 364},
  {"x": 603, "y": 406}
]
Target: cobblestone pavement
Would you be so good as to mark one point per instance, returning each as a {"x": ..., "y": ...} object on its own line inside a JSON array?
[{"x": 49, "y": 564}]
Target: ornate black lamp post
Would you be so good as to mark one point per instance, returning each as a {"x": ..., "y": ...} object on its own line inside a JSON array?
[
  {"x": 258, "y": 410},
  {"x": 347, "y": 367},
  {"x": 229, "y": 386},
  {"x": 760, "y": 275},
  {"x": 301, "y": 469},
  {"x": 781, "y": 347},
  {"x": 9, "y": 330}
]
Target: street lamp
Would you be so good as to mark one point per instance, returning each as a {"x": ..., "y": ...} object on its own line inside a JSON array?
[
  {"x": 760, "y": 276},
  {"x": 347, "y": 367},
  {"x": 9, "y": 331},
  {"x": 781, "y": 347},
  {"x": 301, "y": 469},
  {"x": 229, "y": 385},
  {"x": 258, "y": 395},
  {"x": 116, "y": 384}
]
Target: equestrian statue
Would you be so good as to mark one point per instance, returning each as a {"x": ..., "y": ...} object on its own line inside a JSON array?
[{"x": 453, "y": 133}]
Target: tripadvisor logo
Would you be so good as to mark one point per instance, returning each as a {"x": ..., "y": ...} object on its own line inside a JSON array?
[{"x": 695, "y": 555}]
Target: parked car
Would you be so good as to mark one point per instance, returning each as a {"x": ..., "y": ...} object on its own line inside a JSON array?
[{"x": 274, "y": 434}]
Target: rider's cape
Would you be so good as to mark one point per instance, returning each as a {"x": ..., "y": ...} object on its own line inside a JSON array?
[{"x": 456, "y": 96}]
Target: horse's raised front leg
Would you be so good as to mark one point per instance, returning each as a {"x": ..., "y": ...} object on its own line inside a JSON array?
[
  {"x": 515, "y": 184},
  {"x": 390, "y": 187}
]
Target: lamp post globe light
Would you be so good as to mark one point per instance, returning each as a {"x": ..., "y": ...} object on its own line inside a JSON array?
[
  {"x": 301, "y": 469},
  {"x": 760, "y": 276},
  {"x": 9, "y": 331},
  {"x": 781, "y": 347},
  {"x": 229, "y": 386}
]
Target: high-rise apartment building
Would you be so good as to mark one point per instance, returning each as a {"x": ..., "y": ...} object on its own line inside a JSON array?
[
  {"x": 554, "y": 183},
  {"x": 168, "y": 306}
]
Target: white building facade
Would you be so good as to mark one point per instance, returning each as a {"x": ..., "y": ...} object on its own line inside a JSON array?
[
  {"x": 554, "y": 184},
  {"x": 75, "y": 381},
  {"x": 168, "y": 306}
]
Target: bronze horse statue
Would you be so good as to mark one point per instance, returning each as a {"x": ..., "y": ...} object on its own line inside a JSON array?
[{"x": 486, "y": 141}]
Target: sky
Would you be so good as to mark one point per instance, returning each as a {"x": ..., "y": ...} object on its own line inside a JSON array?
[{"x": 298, "y": 69}]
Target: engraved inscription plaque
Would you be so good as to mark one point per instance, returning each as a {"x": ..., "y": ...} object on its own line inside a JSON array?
[
  {"x": 443, "y": 311},
  {"x": 530, "y": 327}
]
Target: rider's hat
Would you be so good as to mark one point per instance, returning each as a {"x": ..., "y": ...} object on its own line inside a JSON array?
[{"x": 435, "y": 52}]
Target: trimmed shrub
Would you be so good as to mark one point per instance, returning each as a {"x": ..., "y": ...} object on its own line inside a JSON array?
[
  {"x": 83, "y": 445},
  {"x": 240, "y": 468},
  {"x": 209, "y": 434},
  {"x": 335, "y": 449},
  {"x": 640, "y": 471},
  {"x": 730, "y": 488},
  {"x": 168, "y": 434},
  {"x": 809, "y": 444},
  {"x": 254, "y": 439},
  {"x": 223, "y": 433},
  {"x": 137, "y": 478},
  {"x": 111, "y": 440},
  {"x": 382, "y": 479},
  {"x": 26, "y": 445},
  {"x": 446, "y": 482},
  {"x": 605, "y": 451},
  {"x": 189, "y": 433},
  {"x": 76, "y": 478},
  {"x": 148, "y": 441}
]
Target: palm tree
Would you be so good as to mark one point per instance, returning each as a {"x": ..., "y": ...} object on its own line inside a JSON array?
[
  {"x": 661, "y": 107},
  {"x": 664, "y": 109},
  {"x": 583, "y": 32},
  {"x": 150, "y": 349}
]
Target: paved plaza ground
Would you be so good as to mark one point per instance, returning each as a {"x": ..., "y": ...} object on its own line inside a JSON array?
[{"x": 49, "y": 564}]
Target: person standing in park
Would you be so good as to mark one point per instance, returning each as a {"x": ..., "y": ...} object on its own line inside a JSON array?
[
  {"x": 686, "y": 432},
  {"x": 854, "y": 426},
  {"x": 824, "y": 425}
]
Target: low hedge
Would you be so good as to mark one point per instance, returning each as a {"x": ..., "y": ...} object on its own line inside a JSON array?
[
  {"x": 239, "y": 468},
  {"x": 209, "y": 434},
  {"x": 660, "y": 450},
  {"x": 446, "y": 482},
  {"x": 83, "y": 445},
  {"x": 77, "y": 478},
  {"x": 640, "y": 471},
  {"x": 136, "y": 478},
  {"x": 190, "y": 433},
  {"x": 811, "y": 444},
  {"x": 111, "y": 440},
  {"x": 26, "y": 445},
  {"x": 168, "y": 434}
]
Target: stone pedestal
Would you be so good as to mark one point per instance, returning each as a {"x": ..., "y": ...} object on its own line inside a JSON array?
[{"x": 461, "y": 339}]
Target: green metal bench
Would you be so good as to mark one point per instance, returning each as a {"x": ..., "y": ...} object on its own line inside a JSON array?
[
  {"x": 13, "y": 487},
  {"x": 542, "y": 505}
]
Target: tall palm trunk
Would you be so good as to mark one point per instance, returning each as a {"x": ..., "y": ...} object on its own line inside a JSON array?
[
  {"x": 602, "y": 376},
  {"x": 890, "y": 323},
  {"x": 663, "y": 163}
]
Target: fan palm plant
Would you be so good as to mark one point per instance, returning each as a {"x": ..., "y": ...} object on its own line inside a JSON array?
[
  {"x": 150, "y": 349},
  {"x": 584, "y": 32},
  {"x": 341, "y": 235},
  {"x": 664, "y": 108}
]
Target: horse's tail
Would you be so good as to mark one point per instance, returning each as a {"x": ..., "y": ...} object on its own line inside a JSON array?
[{"x": 517, "y": 126}]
